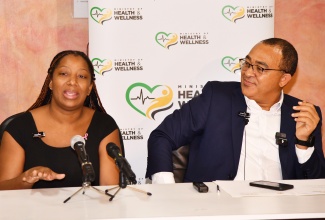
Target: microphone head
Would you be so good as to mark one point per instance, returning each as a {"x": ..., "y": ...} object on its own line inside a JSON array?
[
  {"x": 113, "y": 150},
  {"x": 75, "y": 139}
]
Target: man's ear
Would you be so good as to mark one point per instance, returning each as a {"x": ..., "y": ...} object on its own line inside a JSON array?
[{"x": 285, "y": 78}]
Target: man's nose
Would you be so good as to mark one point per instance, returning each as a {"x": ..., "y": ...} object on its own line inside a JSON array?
[{"x": 250, "y": 71}]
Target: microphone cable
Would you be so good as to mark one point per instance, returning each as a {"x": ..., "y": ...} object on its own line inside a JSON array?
[{"x": 245, "y": 154}]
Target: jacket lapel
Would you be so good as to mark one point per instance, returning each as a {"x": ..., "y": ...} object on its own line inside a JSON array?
[
  {"x": 287, "y": 126},
  {"x": 238, "y": 123}
]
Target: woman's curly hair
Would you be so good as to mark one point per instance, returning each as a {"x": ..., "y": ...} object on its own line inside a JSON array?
[{"x": 92, "y": 101}]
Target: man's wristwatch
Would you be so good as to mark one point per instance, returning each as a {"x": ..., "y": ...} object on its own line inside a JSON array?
[{"x": 309, "y": 143}]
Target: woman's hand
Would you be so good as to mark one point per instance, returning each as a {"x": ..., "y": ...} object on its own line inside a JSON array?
[{"x": 41, "y": 173}]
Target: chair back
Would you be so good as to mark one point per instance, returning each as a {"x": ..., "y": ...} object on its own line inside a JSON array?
[
  {"x": 6, "y": 122},
  {"x": 180, "y": 158}
]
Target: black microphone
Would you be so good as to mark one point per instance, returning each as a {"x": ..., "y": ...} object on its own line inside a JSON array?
[
  {"x": 78, "y": 144},
  {"x": 281, "y": 139},
  {"x": 123, "y": 165},
  {"x": 244, "y": 115}
]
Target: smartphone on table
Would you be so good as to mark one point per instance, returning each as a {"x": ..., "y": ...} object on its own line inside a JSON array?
[{"x": 271, "y": 185}]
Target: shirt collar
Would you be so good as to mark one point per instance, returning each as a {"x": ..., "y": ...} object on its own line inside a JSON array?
[{"x": 253, "y": 106}]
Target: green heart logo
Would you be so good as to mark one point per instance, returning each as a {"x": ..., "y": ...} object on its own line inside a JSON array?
[
  {"x": 140, "y": 96},
  {"x": 166, "y": 40},
  {"x": 100, "y": 66},
  {"x": 232, "y": 14},
  {"x": 99, "y": 15},
  {"x": 231, "y": 64}
]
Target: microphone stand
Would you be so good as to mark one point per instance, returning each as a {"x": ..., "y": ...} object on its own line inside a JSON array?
[
  {"x": 85, "y": 185},
  {"x": 123, "y": 184}
]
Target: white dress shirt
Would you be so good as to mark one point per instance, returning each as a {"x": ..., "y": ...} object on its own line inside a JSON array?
[{"x": 259, "y": 158}]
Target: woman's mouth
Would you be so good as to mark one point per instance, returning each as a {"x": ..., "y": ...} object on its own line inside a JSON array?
[{"x": 71, "y": 94}]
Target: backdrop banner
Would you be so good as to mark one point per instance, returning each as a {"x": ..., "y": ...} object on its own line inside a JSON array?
[{"x": 152, "y": 56}]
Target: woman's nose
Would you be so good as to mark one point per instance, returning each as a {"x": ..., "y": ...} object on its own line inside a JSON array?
[{"x": 72, "y": 80}]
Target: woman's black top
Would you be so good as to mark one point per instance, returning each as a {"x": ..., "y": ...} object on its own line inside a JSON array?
[{"x": 60, "y": 160}]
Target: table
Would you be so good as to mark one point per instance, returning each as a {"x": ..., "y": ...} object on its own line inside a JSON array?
[{"x": 170, "y": 201}]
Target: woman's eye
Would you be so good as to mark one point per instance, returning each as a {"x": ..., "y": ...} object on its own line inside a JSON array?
[
  {"x": 82, "y": 77},
  {"x": 63, "y": 74}
]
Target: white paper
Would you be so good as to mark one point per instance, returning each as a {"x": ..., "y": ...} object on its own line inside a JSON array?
[{"x": 301, "y": 187}]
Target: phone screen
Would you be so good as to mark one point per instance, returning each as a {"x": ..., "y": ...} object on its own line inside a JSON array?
[{"x": 267, "y": 183}]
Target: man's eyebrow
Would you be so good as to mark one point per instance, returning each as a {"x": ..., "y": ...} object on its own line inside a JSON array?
[
  {"x": 257, "y": 62},
  {"x": 262, "y": 63}
]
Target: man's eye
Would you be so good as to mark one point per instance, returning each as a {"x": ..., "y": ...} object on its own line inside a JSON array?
[
  {"x": 247, "y": 64},
  {"x": 260, "y": 69}
]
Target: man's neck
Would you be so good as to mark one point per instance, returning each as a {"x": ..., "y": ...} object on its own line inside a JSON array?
[{"x": 266, "y": 105}]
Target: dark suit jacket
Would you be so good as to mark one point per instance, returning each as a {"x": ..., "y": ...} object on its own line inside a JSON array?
[{"x": 210, "y": 124}]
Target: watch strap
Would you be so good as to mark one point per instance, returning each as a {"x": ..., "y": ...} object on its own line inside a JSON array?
[{"x": 309, "y": 143}]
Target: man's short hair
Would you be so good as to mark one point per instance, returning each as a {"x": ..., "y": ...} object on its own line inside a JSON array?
[{"x": 289, "y": 59}]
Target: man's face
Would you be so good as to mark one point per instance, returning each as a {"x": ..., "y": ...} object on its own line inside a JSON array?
[{"x": 264, "y": 88}]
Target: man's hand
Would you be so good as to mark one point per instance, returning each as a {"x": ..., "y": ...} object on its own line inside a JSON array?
[{"x": 306, "y": 118}]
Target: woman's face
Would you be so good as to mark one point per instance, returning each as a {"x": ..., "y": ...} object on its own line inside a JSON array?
[{"x": 71, "y": 83}]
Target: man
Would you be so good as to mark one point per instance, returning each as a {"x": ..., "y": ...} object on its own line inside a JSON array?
[{"x": 248, "y": 130}]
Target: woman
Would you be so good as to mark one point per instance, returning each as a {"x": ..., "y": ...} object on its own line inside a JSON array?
[{"x": 35, "y": 150}]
